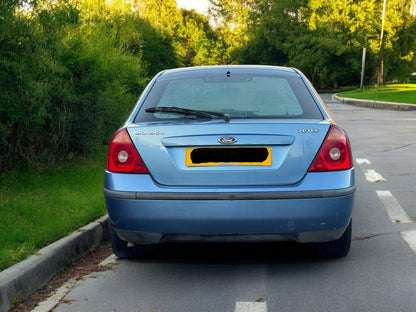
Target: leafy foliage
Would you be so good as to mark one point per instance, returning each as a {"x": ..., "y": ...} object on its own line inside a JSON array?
[
  {"x": 322, "y": 38},
  {"x": 65, "y": 85}
]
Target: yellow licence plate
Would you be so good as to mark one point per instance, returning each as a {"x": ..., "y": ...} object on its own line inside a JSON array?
[{"x": 228, "y": 156}]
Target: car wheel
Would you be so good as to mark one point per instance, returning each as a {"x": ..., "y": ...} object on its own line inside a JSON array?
[
  {"x": 337, "y": 248},
  {"x": 122, "y": 250}
]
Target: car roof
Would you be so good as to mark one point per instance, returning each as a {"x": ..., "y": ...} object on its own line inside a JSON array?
[{"x": 220, "y": 70}]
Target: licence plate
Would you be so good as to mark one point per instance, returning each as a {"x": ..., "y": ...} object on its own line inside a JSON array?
[{"x": 228, "y": 156}]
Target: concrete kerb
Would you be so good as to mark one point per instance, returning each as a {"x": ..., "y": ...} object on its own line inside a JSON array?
[
  {"x": 375, "y": 104},
  {"x": 26, "y": 277}
]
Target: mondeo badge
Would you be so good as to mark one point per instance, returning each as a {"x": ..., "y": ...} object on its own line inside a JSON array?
[{"x": 227, "y": 140}]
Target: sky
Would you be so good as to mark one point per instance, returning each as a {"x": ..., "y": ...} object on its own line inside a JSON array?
[{"x": 200, "y": 6}]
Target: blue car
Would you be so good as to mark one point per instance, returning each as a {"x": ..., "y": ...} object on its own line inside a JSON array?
[{"x": 230, "y": 154}]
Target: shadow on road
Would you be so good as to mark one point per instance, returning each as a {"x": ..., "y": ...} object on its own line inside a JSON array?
[{"x": 228, "y": 253}]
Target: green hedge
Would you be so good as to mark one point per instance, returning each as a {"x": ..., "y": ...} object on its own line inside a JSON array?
[{"x": 67, "y": 81}]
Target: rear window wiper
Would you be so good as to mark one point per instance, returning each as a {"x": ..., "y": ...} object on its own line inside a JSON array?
[{"x": 185, "y": 111}]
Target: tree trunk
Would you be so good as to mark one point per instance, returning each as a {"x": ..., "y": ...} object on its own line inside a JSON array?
[{"x": 380, "y": 72}]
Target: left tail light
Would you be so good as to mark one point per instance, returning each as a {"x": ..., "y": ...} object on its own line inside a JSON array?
[
  {"x": 123, "y": 156},
  {"x": 335, "y": 152}
]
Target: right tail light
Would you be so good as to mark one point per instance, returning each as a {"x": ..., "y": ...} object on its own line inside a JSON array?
[{"x": 335, "y": 152}]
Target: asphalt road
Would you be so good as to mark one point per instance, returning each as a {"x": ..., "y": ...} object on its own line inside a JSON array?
[{"x": 379, "y": 274}]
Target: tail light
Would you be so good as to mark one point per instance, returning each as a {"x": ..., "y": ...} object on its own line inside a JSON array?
[
  {"x": 123, "y": 156},
  {"x": 335, "y": 152}
]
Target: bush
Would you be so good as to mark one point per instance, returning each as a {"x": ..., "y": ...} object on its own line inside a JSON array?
[{"x": 67, "y": 82}]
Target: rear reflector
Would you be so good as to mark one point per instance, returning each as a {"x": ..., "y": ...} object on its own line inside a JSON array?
[
  {"x": 335, "y": 152},
  {"x": 123, "y": 156}
]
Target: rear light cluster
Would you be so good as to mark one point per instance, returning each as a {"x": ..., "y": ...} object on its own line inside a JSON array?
[
  {"x": 123, "y": 156},
  {"x": 335, "y": 152}
]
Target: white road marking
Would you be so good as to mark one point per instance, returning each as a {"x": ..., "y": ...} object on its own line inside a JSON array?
[
  {"x": 250, "y": 307},
  {"x": 50, "y": 303},
  {"x": 410, "y": 239},
  {"x": 373, "y": 176},
  {"x": 109, "y": 262},
  {"x": 362, "y": 161},
  {"x": 395, "y": 211}
]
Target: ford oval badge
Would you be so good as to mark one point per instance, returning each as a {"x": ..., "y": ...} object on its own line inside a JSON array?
[{"x": 227, "y": 140}]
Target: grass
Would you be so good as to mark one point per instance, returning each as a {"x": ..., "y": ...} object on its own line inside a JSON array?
[
  {"x": 37, "y": 208},
  {"x": 400, "y": 93}
]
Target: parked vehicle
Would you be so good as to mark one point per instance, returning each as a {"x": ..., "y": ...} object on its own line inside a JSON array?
[{"x": 230, "y": 154}]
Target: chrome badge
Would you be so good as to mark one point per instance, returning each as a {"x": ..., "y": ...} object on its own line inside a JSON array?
[
  {"x": 308, "y": 130},
  {"x": 149, "y": 132},
  {"x": 227, "y": 140}
]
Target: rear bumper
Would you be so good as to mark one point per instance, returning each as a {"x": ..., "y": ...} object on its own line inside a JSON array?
[
  {"x": 302, "y": 220},
  {"x": 274, "y": 214}
]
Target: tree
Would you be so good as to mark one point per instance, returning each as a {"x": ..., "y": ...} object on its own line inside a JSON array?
[
  {"x": 195, "y": 41},
  {"x": 322, "y": 38},
  {"x": 191, "y": 35},
  {"x": 232, "y": 18},
  {"x": 360, "y": 24}
]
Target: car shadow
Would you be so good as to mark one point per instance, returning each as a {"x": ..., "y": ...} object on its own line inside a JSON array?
[{"x": 229, "y": 253}]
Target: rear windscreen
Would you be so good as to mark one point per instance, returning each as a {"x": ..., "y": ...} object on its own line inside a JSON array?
[{"x": 239, "y": 97}]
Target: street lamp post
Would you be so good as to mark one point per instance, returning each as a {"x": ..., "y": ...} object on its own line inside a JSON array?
[{"x": 362, "y": 70}]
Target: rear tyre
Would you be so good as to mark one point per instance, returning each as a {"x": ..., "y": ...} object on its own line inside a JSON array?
[
  {"x": 337, "y": 248},
  {"x": 122, "y": 250}
]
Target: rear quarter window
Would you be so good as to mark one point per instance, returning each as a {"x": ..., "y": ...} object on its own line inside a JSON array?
[{"x": 239, "y": 96}]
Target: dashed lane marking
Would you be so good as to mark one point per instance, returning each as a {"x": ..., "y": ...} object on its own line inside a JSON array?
[
  {"x": 363, "y": 161},
  {"x": 373, "y": 176},
  {"x": 250, "y": 307},
  {"x": 410, "y": 239},
  {"x": 394, "y": 210},
  {"x": 370, "y": 175}
]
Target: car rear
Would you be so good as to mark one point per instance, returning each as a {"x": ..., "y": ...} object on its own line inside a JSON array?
[{"x": 229, "y": 154}]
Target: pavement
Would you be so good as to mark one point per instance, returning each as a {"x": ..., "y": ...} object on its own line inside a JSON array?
[{"x": 26, "y": 277}]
